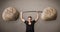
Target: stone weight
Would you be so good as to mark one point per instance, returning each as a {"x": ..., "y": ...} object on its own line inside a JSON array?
[
  {"x": 10, "y": 14},
  {"x": 49, "y": 14}
]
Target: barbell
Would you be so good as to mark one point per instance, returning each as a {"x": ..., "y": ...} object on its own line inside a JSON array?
[
  {"x": 31, "y": 11},
  {"x": 10, "y": 14}
]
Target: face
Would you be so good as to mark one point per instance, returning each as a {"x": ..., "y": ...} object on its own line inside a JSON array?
[{"x": 29, "y": 19}]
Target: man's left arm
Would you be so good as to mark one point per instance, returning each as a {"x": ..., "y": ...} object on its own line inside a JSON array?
[{"x": 37, "y": 17}]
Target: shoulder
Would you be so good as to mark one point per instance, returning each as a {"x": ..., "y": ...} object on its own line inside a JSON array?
[
  {"x": 25, "y": 21},
  {"x": 34, "y": 20}
]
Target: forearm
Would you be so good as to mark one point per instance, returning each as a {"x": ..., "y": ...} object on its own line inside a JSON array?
[
  {"x": 21, "y": 16},
  {"x": 37, "y": 17}
]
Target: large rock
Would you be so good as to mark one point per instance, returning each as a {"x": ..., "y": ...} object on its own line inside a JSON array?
[
  {"x": 49, "y": 14},
  {"x": 10, "y": 14}
]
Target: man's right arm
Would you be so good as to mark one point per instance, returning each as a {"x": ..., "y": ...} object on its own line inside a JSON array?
[{"x": 21, "y": 17}]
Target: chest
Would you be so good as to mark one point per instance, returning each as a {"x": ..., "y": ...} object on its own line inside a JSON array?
[{"x": 29, "y": 23}]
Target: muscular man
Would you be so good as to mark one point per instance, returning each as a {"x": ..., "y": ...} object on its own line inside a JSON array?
[{"x": 29, "y": 22}]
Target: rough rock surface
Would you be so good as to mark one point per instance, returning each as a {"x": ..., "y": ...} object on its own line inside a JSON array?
[
  {"x": 10, "y": 14},
  {"x": 49, "y": 14}
]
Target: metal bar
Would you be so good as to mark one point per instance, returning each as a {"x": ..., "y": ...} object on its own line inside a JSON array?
[{"x": 32, "y": 11}]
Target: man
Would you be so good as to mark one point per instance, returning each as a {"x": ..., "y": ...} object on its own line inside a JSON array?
[{"x": 29, "y": 22}]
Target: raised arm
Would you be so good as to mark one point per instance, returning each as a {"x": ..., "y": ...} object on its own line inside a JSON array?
[
  {"x": 37, "y": 17},
  {"x": 21, "y": 16}
]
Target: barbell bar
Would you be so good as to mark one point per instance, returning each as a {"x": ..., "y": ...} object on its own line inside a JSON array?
[{"x": 32, "y": 11}]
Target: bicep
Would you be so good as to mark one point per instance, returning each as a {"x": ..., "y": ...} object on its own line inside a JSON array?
[
  {"x": 23, "y": 20},
  {"x": 36, "y": 19}
]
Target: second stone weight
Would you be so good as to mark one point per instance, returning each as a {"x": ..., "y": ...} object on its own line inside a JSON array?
[{"x": 49, "y": 14}]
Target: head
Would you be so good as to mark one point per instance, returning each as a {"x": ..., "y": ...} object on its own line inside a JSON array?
[{"x": 29, "y": 18}]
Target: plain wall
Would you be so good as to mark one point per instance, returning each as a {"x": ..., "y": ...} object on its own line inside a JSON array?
[{"x": 30, "y": 5}]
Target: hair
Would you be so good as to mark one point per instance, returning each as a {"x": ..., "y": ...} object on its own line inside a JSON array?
[{"x": 29, "y": 17}]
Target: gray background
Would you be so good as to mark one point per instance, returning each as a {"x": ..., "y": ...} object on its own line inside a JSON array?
[{"x": 30, "y": 5}]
